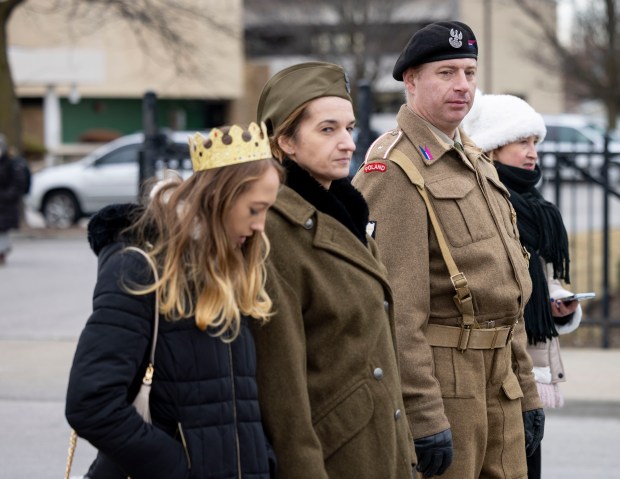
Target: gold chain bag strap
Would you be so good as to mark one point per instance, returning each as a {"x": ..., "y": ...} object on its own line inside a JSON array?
[{"x": 141, "y": 402}]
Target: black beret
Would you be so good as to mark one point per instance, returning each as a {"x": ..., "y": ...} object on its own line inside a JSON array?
[
  {"x": 296, "y": 85},
  {"x": 435, "y": 42}
]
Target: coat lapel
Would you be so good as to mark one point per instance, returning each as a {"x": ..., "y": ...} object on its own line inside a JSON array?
[{"x": 329, "y": 234}]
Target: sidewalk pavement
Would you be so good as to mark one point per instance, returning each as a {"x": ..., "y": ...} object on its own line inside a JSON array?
[
  {"x": 38, "y": 335},
  {"x": 578, "y": 440},
  {"x": 592, "y": 387},
  {"x": 592, "y": 384}
]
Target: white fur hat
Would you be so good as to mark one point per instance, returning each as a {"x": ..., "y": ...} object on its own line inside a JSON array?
[{"x": 496, "y": 120}]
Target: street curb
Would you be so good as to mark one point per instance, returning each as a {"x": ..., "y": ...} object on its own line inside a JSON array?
[
  {"x": 587, "y": 408},
  {"x": 48, "y": 233}
]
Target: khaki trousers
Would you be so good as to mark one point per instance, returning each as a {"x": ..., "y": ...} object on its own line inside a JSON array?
[{"x": 481, "y": 397}]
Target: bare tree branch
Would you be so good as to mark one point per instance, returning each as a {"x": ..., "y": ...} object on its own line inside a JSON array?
[
  {"x": 354, "y": 33},
  {"x": 160, "y": 27},
  {"x": 590, "y": 63}
]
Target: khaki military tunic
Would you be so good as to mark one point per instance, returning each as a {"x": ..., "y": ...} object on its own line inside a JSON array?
[{"x": 479, "y": 393}]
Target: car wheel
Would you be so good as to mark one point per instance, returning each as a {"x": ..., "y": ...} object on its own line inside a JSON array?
[{"x": 60, "y": 209}]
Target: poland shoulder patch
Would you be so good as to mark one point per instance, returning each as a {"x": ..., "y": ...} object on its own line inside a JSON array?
[{"x": 375, "y": 166}]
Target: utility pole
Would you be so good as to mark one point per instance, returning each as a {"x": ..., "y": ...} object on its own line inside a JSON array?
[
  {"x": 148, "y": 154},
  {"x": 364, "y": 111}
]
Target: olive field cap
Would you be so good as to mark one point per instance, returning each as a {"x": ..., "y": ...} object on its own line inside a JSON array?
[
  {"x": 435, "y": 42},
  {"x": 296, "y": 85}
]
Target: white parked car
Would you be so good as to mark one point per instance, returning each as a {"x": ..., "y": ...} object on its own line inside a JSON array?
[
  {"x": 582, "y": 140},
  {"x": 65, "y": 193}
]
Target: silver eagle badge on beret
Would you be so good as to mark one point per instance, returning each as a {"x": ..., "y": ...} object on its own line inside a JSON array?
[{"x": 456, "y": 38}]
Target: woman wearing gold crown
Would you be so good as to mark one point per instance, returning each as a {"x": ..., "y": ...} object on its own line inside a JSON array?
[
  {"x": 204, "y": 269},
  {"x": 328, "y": 378}
]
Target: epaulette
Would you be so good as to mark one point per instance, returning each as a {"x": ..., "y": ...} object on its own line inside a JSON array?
[
  {"x": 381, "y": 147},
  {"x": 487, "y": 165},
  {"x": 485, "y": 157}
]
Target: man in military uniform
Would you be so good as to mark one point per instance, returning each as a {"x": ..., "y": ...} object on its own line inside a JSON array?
[{"x": 447, "y": 235}]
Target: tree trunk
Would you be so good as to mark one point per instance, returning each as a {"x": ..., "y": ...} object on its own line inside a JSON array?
[
  {"x": 612, "y": 63},
  {"x": 10, "y": 114}
]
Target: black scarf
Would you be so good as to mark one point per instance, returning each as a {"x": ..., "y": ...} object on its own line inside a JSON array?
[
  {"x": 342, "y": 201},
  {"x": 543, "y": 234}
]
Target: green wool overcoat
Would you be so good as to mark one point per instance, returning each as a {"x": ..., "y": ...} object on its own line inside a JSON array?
[{"x": 329, "y": 384}]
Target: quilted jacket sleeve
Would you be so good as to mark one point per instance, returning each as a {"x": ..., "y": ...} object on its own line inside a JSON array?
[{"x": 108, "y": 365}]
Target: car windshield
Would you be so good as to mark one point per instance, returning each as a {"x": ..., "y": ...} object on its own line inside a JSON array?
[
  {"x": 614, "y": 135},
  {"x": 566, "y": 134},
  {"x": 126, "y": 154}
]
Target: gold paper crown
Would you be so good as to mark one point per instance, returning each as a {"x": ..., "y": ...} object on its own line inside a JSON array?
[{"x": 229, "y": 146}]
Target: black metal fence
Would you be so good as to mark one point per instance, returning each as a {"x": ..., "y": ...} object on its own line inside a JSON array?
[{"x": 586, "y": 188}]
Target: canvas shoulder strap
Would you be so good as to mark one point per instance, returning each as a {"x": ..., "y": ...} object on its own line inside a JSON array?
[{"x": 463, "y": 297}]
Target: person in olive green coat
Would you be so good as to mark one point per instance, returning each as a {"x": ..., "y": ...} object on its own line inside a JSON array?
[
  {"x": 328, "y": 378},
  {"x": 468, "y": 386}
]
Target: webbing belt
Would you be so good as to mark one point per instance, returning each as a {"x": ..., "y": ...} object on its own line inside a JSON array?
[{"x": 453, "y": 336}]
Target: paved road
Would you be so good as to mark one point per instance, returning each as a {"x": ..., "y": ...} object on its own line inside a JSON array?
[{"x": 45, "y": 298}]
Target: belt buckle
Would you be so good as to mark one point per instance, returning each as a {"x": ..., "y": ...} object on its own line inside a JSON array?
[
  {"x": 511, "y": 332},
  {"x": 488, "y": 324},
  {"x": 493, "y": 342},
  {"x": 462, "y": 340}
]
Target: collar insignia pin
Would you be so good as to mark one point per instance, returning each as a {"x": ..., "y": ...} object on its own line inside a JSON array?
[
  {"x": 371, "y": 228},
  {"x": 426, "y": 153}
]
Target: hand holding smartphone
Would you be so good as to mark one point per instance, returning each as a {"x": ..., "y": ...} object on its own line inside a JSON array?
[{"x": 577, "y": 297}]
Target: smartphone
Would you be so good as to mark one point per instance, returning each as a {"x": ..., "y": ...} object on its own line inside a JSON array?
[{"x": 578, "y": 297}]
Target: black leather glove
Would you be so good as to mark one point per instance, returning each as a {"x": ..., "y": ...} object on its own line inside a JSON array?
[
  {"x": 434, "y": 453},
  {"x": 534, "y": 425}
]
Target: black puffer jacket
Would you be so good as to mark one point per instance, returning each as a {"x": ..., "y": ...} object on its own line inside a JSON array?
[
  {"x": 12, "y": 187},
  {"x": 200, "y": 382}
]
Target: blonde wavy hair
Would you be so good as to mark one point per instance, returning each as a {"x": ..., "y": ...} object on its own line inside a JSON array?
[{"x": 201, "y": 273}]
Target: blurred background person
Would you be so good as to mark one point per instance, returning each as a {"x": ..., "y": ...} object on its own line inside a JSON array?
[
  {"x": 508, "y": 130},
  {"x": 14, "y": 184},
  {"x": 328, "y": 377}
]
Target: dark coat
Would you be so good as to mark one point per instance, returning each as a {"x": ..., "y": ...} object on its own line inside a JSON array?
[
  {"x": 12, "y": 188},
  {"x": 328, "y": 377},
  {"x": 205, "y": 385}
]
